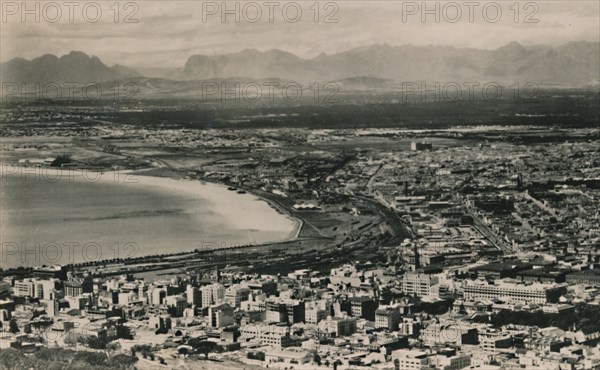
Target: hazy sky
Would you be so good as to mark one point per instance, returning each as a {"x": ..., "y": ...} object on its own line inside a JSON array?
[{"x": 168, "y": 32}]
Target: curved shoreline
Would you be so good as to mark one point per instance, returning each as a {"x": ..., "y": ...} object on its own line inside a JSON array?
[
  {"x": 298, "y": 223},
  {"x": 177, "y": 186}
]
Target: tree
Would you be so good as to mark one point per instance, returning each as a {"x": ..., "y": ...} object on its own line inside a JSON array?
[
  {"x": 124, "y": 332},
  {"x": 336, "y": 364},
  {"x": 42, "y": 327},
  {"x": 317, "y": 359},
  {"x": 94, "y": 342},
  {"x": 91, "y": 358},
  {"x": 202, "y": 346},
  {"x": 183, "y": 351},
  {"x": 13, "y": 327},
  {"x": 122, "y": 361}
]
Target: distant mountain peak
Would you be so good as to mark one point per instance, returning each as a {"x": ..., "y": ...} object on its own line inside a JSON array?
[
  {"x": 47, "y": 57},
  {"x": 279, "y": 52},
  {"x": 79, "y": 57},
  {"x": 76, "y": 53},
  {"x": 513, "y": 44},
  {"x": 512, "y": 48}
]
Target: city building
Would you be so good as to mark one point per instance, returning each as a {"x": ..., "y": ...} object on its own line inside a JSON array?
[
  {"x": 267, "y": 334},
  {"x": 338, "y": 326},
  {"x": 503, "y": 289},
  {"x": 220, "y": 315},
  {"x": 387, "y": 317},
  {"x": 418, "y": 284}
]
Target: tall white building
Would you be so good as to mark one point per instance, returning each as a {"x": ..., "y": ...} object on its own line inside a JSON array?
[
  {"x": 236, "y": 294},
  {"x": 220, "y": 315},
  {"x": 157, "y": 295},
  {"x": 419, "y": 284},
  {"x": 315, "y": 312},
  {"x": 193, "y": 295},
  {"x": 212, "y": 294}
]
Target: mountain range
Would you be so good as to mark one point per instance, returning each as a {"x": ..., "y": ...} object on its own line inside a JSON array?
[
  {"x": 76, "y": 67},
  {"x": 572, "y": 64}
]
